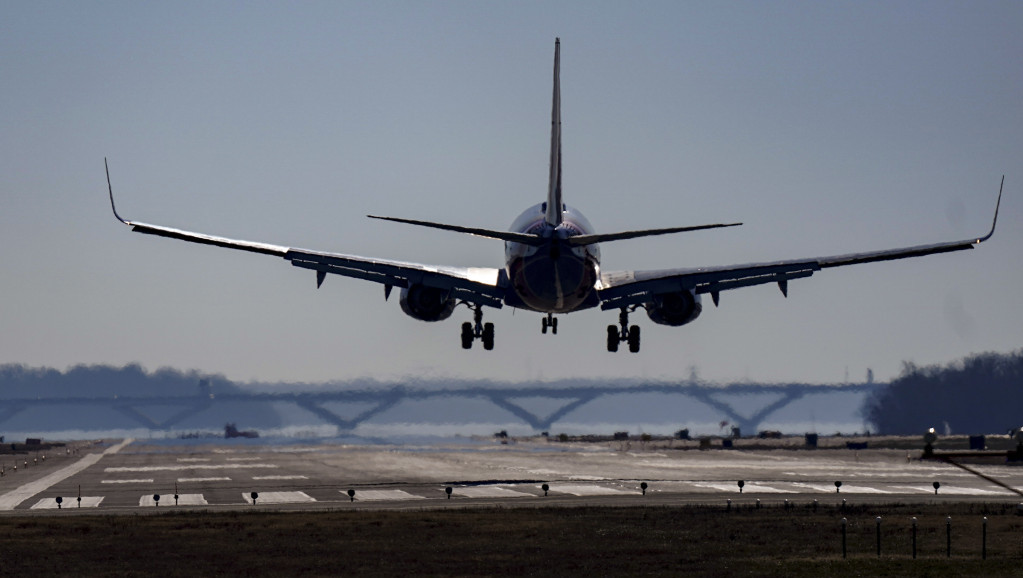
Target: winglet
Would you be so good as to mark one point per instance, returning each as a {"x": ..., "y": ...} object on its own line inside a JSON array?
[
  {"x": 111, "y": 190},
  {"x": 555, "y": 206},
  {"x": 995, "y": 221}
]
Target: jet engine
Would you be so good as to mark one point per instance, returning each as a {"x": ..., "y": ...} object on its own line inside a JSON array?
[
  {"x": 674, "y": 308},
  {"x": 427, "y": 303}
]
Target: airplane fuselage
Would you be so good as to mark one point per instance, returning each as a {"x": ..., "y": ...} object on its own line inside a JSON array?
[{"x": 552, "y": 277}]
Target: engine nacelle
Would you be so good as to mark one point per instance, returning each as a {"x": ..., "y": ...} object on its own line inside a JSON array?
[
  {"x": 674, "y": 308},
  {"x": 427, "y": 303}
]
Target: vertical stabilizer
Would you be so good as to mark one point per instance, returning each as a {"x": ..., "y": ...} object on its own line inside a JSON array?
[{"x": 554, "y": 202}]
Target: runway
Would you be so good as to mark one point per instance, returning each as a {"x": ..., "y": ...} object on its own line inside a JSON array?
[{"x": 134, "y": 476}]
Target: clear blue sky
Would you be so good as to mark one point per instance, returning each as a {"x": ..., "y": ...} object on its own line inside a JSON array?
[{"x": 827, "y": 127}]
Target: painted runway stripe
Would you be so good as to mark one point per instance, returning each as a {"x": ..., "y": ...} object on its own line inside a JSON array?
[
  {"x": 279, "y": 497},
  {"x": 382, "y": 495},
  {"x": 179, "y": 468},
  {"x": 216, "y": 479},
  {"x": 846, "y": 488},
  {"x": 489, "y": 492},
  {"x": 147, "y": 500},
  {"x": 294, "y": 477},
  {"x": 249, "y": 459},
  {"x": 149, "y": 481},
  {"x": 193, "y": 459},
  {"x": 586, "y": 490},
  {"x": 750, "y": 487},
  {"x": 11, "y": 499},
  {"x": 69, "y": 503}
]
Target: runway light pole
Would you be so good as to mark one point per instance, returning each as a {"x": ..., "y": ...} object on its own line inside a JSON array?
[
  {"x": 351, "y": 495},
  {"x": 844, "y": 524},
  {"x": 878, "y": 520},
  {"x": 983, "y": 540},
  {"x": 914, "y": 537},
  {"x": 545, "y": 487},
  {"x": 948, "y": 537}
]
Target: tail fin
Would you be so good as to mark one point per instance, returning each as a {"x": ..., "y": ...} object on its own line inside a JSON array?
[{"x": 555, "y": 205}]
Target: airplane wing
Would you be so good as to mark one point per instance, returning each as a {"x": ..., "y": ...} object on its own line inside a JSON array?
[
  {"x": 476, "y": 285},
  {"x": 625, "y": 288}
]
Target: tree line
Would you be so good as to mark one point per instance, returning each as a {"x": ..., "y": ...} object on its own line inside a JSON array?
[{"x": 980, "y": 394}]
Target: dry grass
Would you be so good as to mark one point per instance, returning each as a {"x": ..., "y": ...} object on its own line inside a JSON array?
[{"x": 696, "y": 540}]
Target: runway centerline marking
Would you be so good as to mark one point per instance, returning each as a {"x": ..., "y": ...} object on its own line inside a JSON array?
[
  {"x": 149, "y": 481},
  {"x": 294, "y": 477},
  {"x": 218, "y": 479},
  {"x": 178, "y": 468}
]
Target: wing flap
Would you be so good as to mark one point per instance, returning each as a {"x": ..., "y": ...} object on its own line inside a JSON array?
[{"x": 474, "y": 284}]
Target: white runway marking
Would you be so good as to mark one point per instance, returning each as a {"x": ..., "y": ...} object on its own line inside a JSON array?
[
  {"x": 295, "y": 477},
  {"x": 911, "y": 490},
  {"x": 846, "y": 488},
  {"x": 193, "y": 459},
  {"x": 11, "y": 499},
  {"x": 382, "y": 495},
  {"x": 279, "y": 497},
  {"x": 147, "y": 501},
  {"x": 127, "y": 481},
  {"x": 179, "y": 468},
  {"x": 580, "y": 490},
  {"x": 489, "y": 492},
  {"x": 249, "y": 459},
  {"x": 972, "y": 492},
  {"x": 188, "y": 480},
  {"x": 750, "y": 487},
  {"x": 69, "y": 503}
]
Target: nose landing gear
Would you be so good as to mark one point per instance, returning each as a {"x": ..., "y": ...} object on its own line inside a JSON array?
[
  {"x": 549, "y": 321},
  {"x": 616, "y": 335},
  {"x": 477, "y": 330}
]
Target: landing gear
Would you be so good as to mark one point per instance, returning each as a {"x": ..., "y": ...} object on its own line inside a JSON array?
[
  {"x": 549, "y": 321},
  {"x": 616, "y": 334},
  {"x": 477, "y": 329}
]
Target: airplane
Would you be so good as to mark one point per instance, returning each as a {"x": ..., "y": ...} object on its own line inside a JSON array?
[{"x": 552, "y": 266}]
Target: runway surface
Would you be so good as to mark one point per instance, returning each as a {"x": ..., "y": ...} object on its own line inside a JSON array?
[{"x": 126, "y": 476}]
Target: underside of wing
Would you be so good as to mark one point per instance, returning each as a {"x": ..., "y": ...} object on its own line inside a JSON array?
[{"x": 628, "y": 288}]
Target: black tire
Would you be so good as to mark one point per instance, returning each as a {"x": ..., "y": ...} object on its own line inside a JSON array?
[
  {"x": 488, "y": 336},
  {"x": 634, "y": 339},
  {"x": 467, "y": 336},
  {"x": 543, "y": 326},
  {"x": 612, "y": 338},
  {"x": 554, "y": 326}
]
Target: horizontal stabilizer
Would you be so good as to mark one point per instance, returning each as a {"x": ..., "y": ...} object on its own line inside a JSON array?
[
  {"x": 524, "y": 238},
  {"x": 603, "y": 237}
]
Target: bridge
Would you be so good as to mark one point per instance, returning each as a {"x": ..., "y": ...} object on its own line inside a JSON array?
[{"x": 164, "y": 413}]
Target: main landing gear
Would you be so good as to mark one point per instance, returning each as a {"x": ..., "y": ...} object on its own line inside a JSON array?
[
  {"x": 549, "y": 321},
  {"x": 616, "y": 335},
  {"x": 477, "y": 330}
]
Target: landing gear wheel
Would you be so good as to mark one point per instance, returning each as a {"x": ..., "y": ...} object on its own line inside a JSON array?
[
  {"x": 554, "y": 326},
  {"x": 467, "y": 335},
  {"x": 543, "y": 326},
  {"x": 612, "y": 338},
  {"x": 488, "y": 336},
  {"x": 634, "y": 339}
]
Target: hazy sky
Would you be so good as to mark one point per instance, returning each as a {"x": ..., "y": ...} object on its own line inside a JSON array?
[{"x": 827, "y": 127}]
